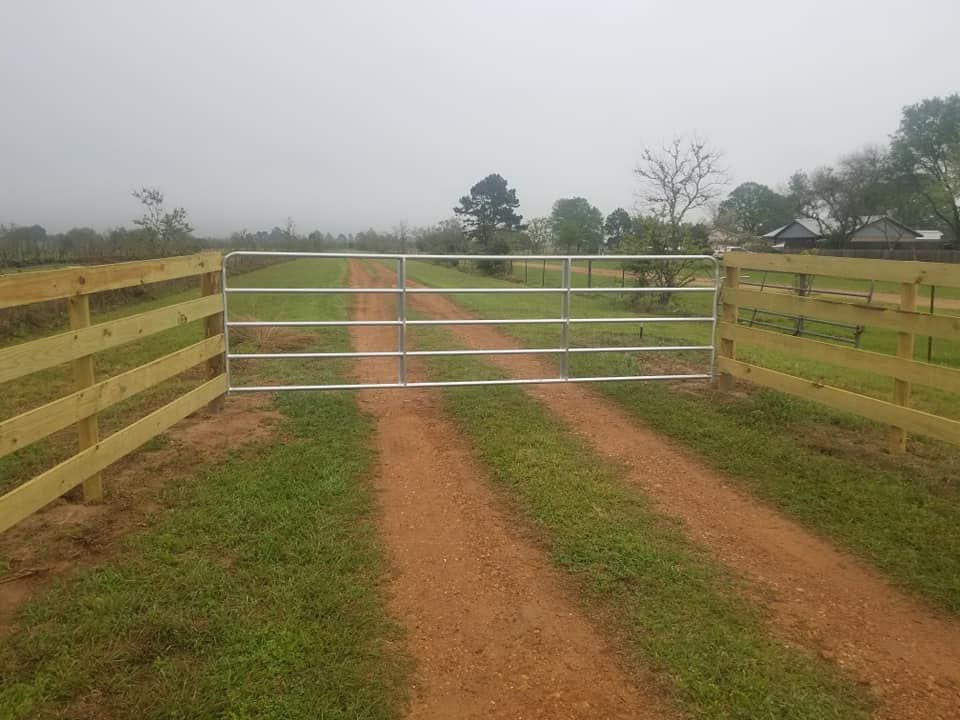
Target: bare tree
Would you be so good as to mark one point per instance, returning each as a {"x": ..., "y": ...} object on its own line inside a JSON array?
[
  {"x": 166, "y": 229},
  {"x": 682, "y": 176}
]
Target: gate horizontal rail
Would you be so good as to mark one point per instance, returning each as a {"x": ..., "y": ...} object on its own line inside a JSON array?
[{"x": 566, "y": 291}]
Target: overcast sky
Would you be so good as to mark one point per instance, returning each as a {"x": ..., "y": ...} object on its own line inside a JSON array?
[{"x": 345, "y": 115}]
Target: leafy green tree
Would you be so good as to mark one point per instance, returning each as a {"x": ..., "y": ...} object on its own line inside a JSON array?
[
  {"x": 616, "y": 228},
  {"x": 753, "y": 209},
  {"x": 486, "y": 211},
  {"x": 489, "y": 207},
  {"x": 577, "y": 225},
  {"x": 926, "y": 148}
]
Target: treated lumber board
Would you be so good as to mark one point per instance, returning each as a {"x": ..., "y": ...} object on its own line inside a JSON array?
[
  {"x": 729, "y": 312},
  {"x": 898, "y": 271},
  {"x": 31, "y": 357},
  {"x": 901, "y": 386},
  {"x": 32, "y": 495},
  {"x": 921, "y": 373},
  {"x": 916, "y": 421},
  {"x": 916, "y": 323},
  {"x": 44, "y": 285},
  {"x": 88, "y": 429},
  {"x": 210, "y": 284},
  {"x": 33, "y": 425}
]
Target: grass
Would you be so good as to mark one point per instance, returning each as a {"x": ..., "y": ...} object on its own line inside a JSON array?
[
  {"x": 824, "y": 468},
  {"x": 257, "y": 594},
  {"x": 663, "y": 600}
]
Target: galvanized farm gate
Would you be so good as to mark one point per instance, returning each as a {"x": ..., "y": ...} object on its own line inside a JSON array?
[{"x": 404, "y": 289}]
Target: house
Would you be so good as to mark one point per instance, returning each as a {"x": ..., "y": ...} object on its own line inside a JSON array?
[
  {"x": 883, "y": 232},
  {"x": 800, "y": 234}
]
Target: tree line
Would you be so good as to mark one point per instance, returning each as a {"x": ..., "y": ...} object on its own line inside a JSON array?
[{"x": 159, "y": 232}]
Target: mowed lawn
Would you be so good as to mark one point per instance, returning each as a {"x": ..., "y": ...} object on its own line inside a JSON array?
[
  {"x": 258, "y": 592},
  {"x": 827, "y": 469}
]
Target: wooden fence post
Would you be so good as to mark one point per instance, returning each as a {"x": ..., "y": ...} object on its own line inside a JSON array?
[
  {"x": 88, "y": 431},
  {"x": 729, "y": 312},
  {"x": 905, "y": 346},
  {"x": 213, "y": 326}
]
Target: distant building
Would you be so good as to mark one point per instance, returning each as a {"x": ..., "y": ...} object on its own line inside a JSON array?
[
  {"x": 800, "y": 234},
  {"x": 883, "y": 232},
  {"x": 874, "y": 232}
]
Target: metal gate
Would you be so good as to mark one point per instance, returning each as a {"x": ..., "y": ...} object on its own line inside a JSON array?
[{"x": 403, "y": 289}]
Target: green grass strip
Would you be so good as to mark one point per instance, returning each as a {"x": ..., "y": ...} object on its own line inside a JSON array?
[{"x": 670, "y": 604}]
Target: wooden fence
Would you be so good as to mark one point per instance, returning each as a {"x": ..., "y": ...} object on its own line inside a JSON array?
[
  {"x": 79, "y": 345},
  {"x": 902, "y": 368}
]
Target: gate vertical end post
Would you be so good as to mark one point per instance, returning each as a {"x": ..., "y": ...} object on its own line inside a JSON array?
[
  {"x": 565, "y": 316},
  {"x": 402, "y": 317},
  {"x": 715, "y": 309},
  {"x": 210, "y": 284},
  {"x": 728, "y": 348},
  {"x": 88, "y": 430},
  {"x": 901, "y": 388}
]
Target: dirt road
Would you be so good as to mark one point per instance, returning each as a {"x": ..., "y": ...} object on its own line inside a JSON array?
[
  {"x": 816, "y": 595},
  {"x": 493, "y": 629}
]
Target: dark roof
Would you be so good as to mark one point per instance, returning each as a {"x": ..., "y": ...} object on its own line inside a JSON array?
[
  {"x": 808, "y": 224},
  {"x": 868, "y": 220}
]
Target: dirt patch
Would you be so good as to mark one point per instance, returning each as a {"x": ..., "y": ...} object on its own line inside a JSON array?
[
  {"x": 244, "y": 419},
  {"x": 67, "y": 535},
  {"x": 489, "y": 621},
  {"x": 816, "y": 596},
  {"x": 271, "y": 339}
]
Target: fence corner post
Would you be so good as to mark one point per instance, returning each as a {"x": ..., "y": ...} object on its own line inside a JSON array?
[
  {"x": 901, "y": 388},
  {"x": 213, "y": 326},
  {"x": 88, "y": 429},
  {"x": 730, "y": 311}
]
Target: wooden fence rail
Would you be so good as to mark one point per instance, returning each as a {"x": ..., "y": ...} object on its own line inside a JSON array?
[
  {"x": 80, "y": 344},
  {"x": 901, "y": 367}
]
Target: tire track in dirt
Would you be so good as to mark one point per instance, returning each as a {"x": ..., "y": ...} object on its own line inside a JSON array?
[
  {"x": 818, "y": 596},
  {"x": 489, "y": 621}
]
